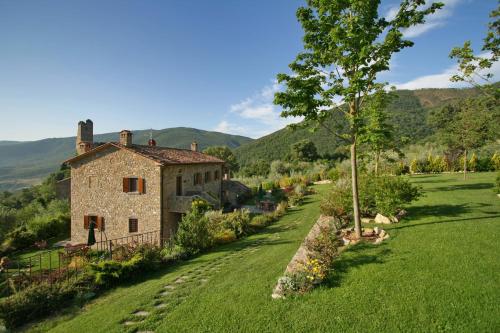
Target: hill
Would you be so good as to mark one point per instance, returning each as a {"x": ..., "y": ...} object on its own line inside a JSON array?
[
  {"x": 408, "y": 114},
  {"x": 26, "y": 163}
]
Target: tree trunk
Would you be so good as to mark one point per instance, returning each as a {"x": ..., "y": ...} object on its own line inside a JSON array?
[
  {"x": 465, "y": 164},
  {"x": 355, "y": 195}
]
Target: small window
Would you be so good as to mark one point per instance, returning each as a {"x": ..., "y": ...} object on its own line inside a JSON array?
[
  {"x": 88, "y": 219},
  {"x": 216, "y": 175},
  {"x": 198, "y": 179},
  {"x": 133, "y": 225},
  {"x": 93, "y": 182},
  {"x": 208, "y": 177},
  {"x": 178, "y": 186},
  {"x": 134, "y": 185}
]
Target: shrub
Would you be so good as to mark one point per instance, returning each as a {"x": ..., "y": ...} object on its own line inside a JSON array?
[
  {"x": 146, "y": 258},
  {"x": 392, "y": 193},
  {"x": 238, "y": 221},
  {"x": 268, "y": 186},
  {"x": 35, "y": 302},
  {"x": 333, "y": 174},
  {"x": 285, "y": 182},
  {"x": 338, "y": 201},
  {"x": 296, "y": 199},
  {"x": 281, "y": 208},
  {"x": 259, "y": 221},
  {"x": 194, "y": 233},
  {"x": 384, "y": 194},
  {"x": 225, "y": 236},
  {"x": 47, "y": 226},
  {"x": 19, "y": 238}
]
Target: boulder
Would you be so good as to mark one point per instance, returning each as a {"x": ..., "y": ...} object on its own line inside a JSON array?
[
  {"x": 376, "y": 230},
  {"x": 382, "y": 233},
  {"x": 382, "y": 219},
  {"x": 366, "y": 220}
]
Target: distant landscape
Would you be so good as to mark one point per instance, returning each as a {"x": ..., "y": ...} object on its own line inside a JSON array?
[{"x": 23, "y": 164}]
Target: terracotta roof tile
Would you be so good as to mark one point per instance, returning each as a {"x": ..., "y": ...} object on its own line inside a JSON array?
[
  {"x": 161, "y": 155},
  {"x": 166, "y": 155}
]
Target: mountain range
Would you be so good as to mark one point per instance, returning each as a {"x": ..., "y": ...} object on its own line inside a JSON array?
[{"x": 26, "y": 163}]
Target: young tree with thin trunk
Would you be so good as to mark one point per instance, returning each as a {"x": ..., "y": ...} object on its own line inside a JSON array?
[
  {"x": 377, "y": 133},
  {"x": 346, "y": 44}
]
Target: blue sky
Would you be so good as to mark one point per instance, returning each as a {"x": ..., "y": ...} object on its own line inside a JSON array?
[{"x": 158, "y": 64}]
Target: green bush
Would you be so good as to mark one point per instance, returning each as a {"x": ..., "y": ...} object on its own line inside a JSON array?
[
  {"x": 19, "y": 238},
  {"x": 35, "y": 302},
  {"x": 338, "y": 201},
  {"x": 225, "y": 236},
  {"x": 393, "y": 193},
  {"x": 384, "y": 194},
  {"x": 194, "y": 233},
  {"x": 259, "y": 221},
  {"x": 238, "y": 221},
  {"x": 146, "y": 258}
]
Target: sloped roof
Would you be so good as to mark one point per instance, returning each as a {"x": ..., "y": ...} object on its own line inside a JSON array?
[{"x": 161, "y": 155}]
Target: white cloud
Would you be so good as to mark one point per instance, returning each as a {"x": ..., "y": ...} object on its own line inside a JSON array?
[
  {"x": 438, "y": 19},
  {"x": 442, "y": 80},
  {"x": 256, "y": 116}
]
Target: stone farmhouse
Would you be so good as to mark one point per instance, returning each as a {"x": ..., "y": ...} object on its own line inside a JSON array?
[{"x": 128, "y": 189}]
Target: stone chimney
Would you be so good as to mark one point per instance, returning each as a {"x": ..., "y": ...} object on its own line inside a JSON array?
[
  {"x": 84, "y": 136},
  {"x": 194, "y": 146},
  {"x": 151, "y": 141},
  {"x": 126, "y": 138}
]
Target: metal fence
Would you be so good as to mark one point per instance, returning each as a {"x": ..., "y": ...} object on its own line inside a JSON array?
[{"x": 65, "y": 263}]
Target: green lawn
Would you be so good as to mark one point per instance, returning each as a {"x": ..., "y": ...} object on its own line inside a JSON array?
[{"x": 438, "y": 272}]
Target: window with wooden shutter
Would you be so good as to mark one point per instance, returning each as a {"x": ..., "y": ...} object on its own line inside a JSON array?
[
  {"x": 133, "y": 225},
  {"x": 207, "y": 177},
  {"x": 216, "y": 175},
  {"x": 126, "y": 185},
  {"x": 100, "y": 223},
  {"x": 140, "y": 185},
  {"x": 86, "y": 222}
]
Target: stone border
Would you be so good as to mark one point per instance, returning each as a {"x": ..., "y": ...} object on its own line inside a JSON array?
[{"x": 302, "y": 253}]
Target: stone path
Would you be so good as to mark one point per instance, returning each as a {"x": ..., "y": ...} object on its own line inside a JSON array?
[{"x": 180, "y": 287}]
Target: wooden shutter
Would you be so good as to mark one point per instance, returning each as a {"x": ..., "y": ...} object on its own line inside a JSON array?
[
  {"x": 100, "y": 223},
  {"x": 85, "y": 222},
  {"x": 140, "y": 185},
  {"x": 126, "y": 185}
]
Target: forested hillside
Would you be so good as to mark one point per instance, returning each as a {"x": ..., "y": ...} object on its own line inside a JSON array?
[
  {"x": 26, "y": 163},
  {"x": 408, "y": 113}
]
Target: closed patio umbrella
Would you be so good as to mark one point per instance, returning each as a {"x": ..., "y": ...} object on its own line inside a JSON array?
[{"x": 91, "y": 239}]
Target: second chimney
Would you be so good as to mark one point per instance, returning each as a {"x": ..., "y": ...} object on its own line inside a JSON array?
[
  {"x": 126, "y": 138},
  {"x": 194, "y": 146}
]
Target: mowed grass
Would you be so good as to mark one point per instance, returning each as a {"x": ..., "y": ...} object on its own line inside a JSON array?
[{"x": 438, "y": 272}]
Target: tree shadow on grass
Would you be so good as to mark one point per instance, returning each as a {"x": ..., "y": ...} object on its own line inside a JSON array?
[
  {"x": 417, "y": 212},
  {"x": 355, "y": 256},
  {"x": 448, "y": 221},
  {"x": 462, "y": 187}
]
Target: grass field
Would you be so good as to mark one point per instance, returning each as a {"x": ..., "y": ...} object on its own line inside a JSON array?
[{"x": 438, "y": 272}]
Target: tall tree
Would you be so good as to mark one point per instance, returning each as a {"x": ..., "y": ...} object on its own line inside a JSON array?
[
  {"x": 346, "y": 44},
  {"x": 377, "y": 133},
  {"x": 464, "y": 126},
  {"x": 304, "y": 151}
]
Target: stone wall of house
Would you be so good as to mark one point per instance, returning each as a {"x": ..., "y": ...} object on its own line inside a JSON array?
[
  {"x": 187, "y": 171},
  {"x": 97, "y": 189}
]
